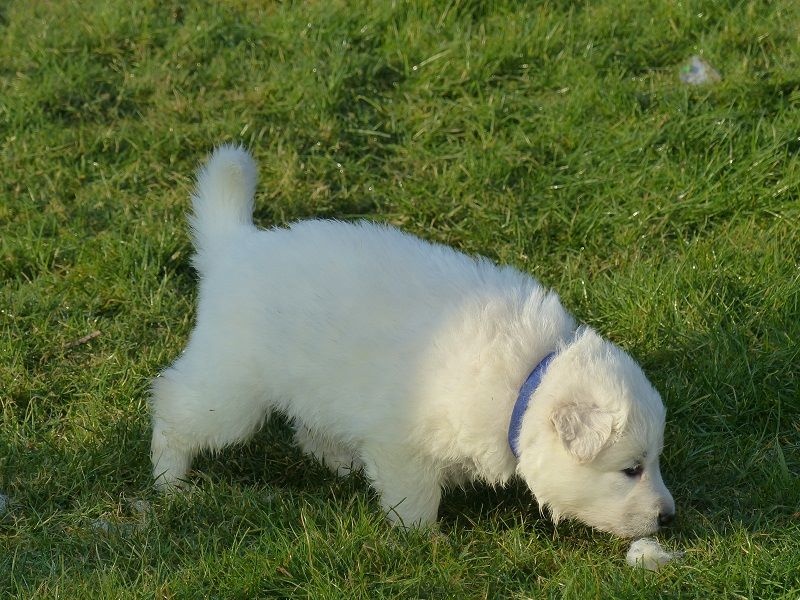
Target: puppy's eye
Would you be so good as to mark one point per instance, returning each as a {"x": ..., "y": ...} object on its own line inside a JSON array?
[{"x": 634, "y": 471}]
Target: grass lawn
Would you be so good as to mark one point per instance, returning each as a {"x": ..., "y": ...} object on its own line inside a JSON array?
[{"x": 555, "y": 136}]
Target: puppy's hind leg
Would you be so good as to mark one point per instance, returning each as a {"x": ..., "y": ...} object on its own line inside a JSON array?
[
  {"x": 410, "y": 489},
  {"x": 172, "y": 447},
  {"x": 192, "y": 412}
]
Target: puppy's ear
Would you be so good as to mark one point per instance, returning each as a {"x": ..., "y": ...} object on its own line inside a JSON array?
[{"x": 584, "y": 429}]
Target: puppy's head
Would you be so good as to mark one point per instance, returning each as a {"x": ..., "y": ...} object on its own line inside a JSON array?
[{"x": 591, "y": 438}]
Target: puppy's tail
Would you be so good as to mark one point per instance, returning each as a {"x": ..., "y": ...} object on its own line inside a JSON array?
[{"x": 222, "y": 202}]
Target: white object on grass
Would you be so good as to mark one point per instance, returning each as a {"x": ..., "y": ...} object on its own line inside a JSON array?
[
  {"x": 4, "y": 502},
  {"x": 648, "y": 553},
  {"x": 698, "y": 71}
]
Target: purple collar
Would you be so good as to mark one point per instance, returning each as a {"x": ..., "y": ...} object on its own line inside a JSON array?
[{"x": 521, "y": 405}]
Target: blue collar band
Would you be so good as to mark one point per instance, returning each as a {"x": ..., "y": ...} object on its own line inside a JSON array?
[{"x": 521, "y": 405}]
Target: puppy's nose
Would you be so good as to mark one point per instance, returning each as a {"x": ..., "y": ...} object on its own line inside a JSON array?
[{"x": 665, "y": 519}]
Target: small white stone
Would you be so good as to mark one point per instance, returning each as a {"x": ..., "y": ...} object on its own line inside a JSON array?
[
  {"x": 648, "y": 553},
  {"x": 4, "y": 502}
]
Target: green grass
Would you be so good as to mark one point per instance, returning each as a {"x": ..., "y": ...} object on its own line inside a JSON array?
[{"x": 554, "y": 136}]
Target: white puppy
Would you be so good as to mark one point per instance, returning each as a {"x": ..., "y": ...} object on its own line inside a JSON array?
[{"x": 407, "y": 359}]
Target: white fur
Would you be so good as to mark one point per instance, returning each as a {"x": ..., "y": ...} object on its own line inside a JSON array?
[
  {"x": 649, "y": 554},
  {"x": 404, "y": 358}
]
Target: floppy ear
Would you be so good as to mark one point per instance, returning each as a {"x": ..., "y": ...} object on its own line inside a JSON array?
[{"x": 584, "y": 429}]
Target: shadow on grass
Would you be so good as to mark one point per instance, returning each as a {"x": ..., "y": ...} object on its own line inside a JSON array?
[
  {"x": 731, "y": 445},
  {"x": 271, "y": 459}
]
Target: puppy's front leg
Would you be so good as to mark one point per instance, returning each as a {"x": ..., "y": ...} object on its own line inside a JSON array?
[{"x": 410, "y": 488}]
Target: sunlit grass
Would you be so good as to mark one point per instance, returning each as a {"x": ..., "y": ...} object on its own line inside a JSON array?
[{"x": 554, "y": 136}]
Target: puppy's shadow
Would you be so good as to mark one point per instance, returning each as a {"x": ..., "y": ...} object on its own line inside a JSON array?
[
  {"x": 478, "y": 504},
  {"x": 725, "y": 454},
  {"x": 271, "y": 458}
]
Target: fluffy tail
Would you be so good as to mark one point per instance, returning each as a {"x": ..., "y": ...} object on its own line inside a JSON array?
[{"x": 222, "y": 202}]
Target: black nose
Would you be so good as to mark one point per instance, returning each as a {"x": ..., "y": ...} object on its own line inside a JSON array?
[{"x": 665, "y": 519}]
